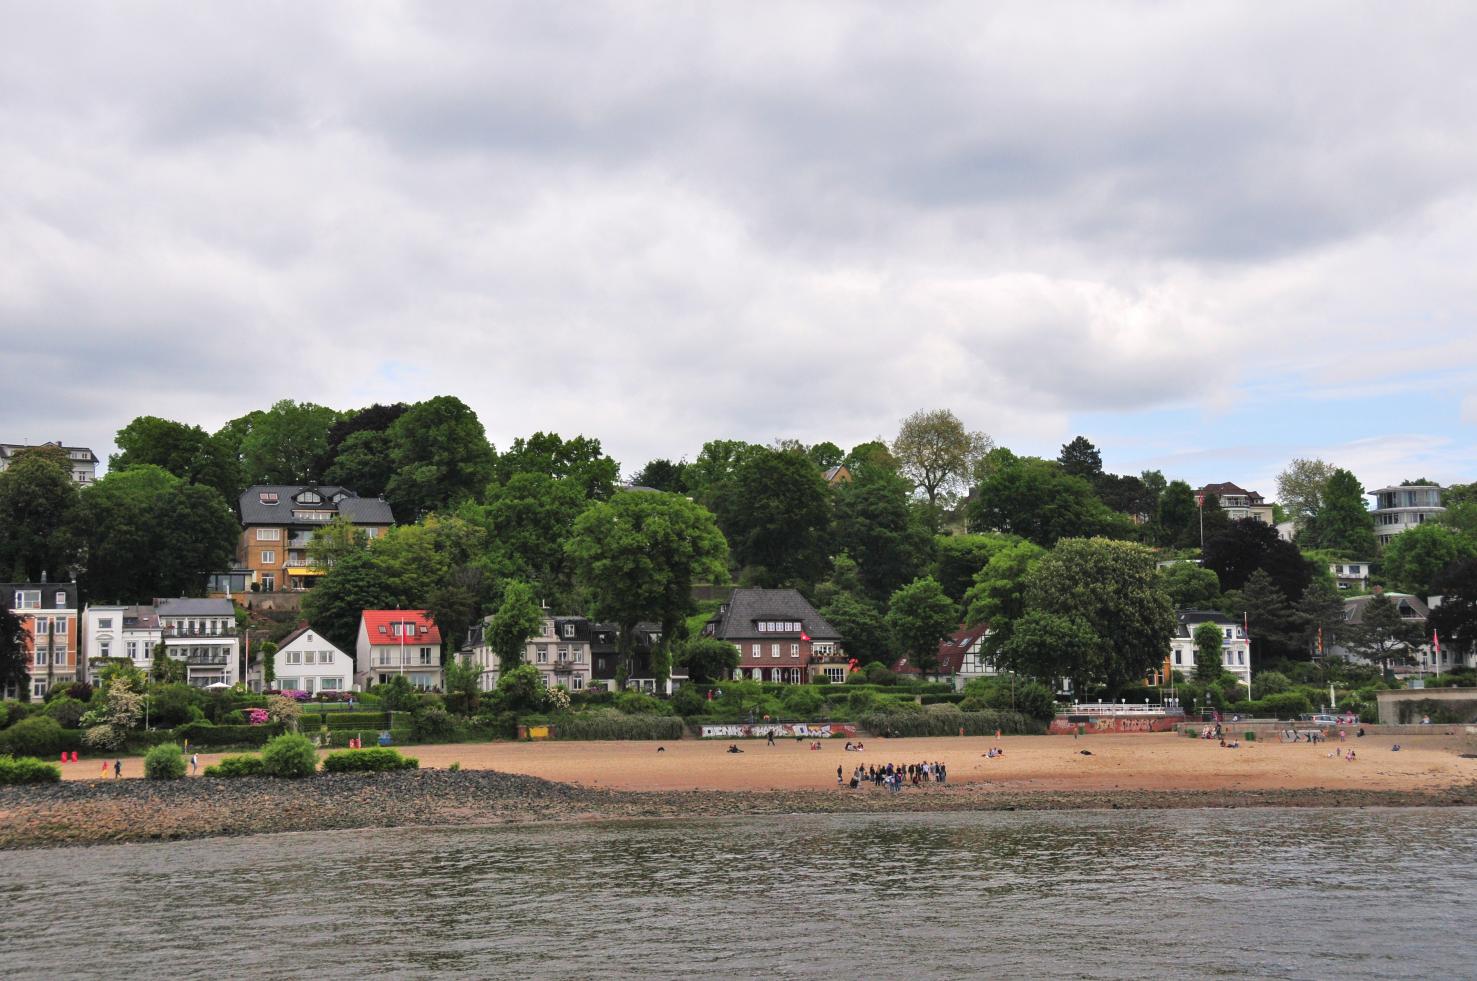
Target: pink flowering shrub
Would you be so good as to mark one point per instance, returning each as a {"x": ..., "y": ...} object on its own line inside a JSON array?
[
  {"x": 256, "y": 717},
  {"x": 298, "y": 696}
]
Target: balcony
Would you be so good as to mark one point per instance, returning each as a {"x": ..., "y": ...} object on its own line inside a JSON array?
[
  {"x": 565, "y": 666},
  {"x": 184, "y": 631},
  {"x": 207, "y": 660}
]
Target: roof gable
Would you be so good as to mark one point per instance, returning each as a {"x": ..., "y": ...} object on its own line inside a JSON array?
[
  {"x": 746, "y": 607},
  {"x": 390, "y": 627}
]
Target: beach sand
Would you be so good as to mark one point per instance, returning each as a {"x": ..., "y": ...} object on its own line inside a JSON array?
[{"x": 1139, "y": 761}]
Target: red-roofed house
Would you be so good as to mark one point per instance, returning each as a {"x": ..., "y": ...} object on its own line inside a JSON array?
[
  {"x": 960, "y": 658},
  {"x": 395, "y": 642}
]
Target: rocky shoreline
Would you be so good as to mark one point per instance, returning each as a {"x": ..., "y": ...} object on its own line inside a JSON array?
[{"x": 101, "y": 812}]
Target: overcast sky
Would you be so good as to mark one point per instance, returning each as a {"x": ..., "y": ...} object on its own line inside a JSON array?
[{"x": 1209, "y": 237}]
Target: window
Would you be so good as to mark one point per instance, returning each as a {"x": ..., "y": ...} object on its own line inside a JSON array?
[
  {"x": 288, "y": 684},
  {"x": 269, "y": 583},
  {"x": 569, "y": 630},
  {"x": 41, "y": 657},
  {"x": 268, "y": 556},
  {"x": 794, "y": 650},
  {"x": 310, "y": 657},
  {"x": 425, "y": 655},
  {"x": 756, "y": 650},
  {"x": 105, "y": 623},
  {"x": 309, "y": 497},
  {"x": 27, "y": 599},
  {"x": 267, "y": 497},
  {"x": 133, "y": 650},
  {"x": 543, "y": 654},
  {"x": 774, "y": 650},
  {"x": 330, "y": 684},
  {"x": 59, "y": 626},
  {"x": 61, "y": 600},
  {"x": 104, "y": 648},
  {"x": 1177, "y": 656},
  {"x": 837, "y": 675},
  {"x": 325, "y": 657},
  {"x": 269, "y": 534},
  {"x": 577, "y": 683},
  {"x": 294, "y": 657}
]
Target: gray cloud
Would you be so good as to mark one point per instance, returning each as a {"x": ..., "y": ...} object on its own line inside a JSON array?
[{"x": 661, "y": 225}]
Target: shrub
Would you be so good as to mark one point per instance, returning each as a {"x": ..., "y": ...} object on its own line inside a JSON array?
[
  {"x": 609, "y": 724},
  {"x": 943, "y": 708},
  {"x": 66, "y": 711},
  {"x": 378, "y": 759},
  {"x": 925, "y": 724},
  {"x": 27, "y": 769},
  {"x": 878, "y": 674},
  {"x": 690, "y": 700},
  {"x": 39, "y": 736},
  {"x": 237, "y": 766},
  {"x": 434, "y": 724},
  {"x": 164, "y": 762},
  {"x": 802, "y": 701},
  {"x": 856, "y": 678},
  {"x": 1287, "y": 704},
  {"x": 638, "y": 703},
  {"x": 290, "y": 756},
  {"x": 205, "y": 734}
]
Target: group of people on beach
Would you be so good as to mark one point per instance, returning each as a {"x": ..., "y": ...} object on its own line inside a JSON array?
[{"x": 892, "y": 776}]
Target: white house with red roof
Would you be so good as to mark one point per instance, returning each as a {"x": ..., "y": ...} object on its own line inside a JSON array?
[
  {"x": 960, "y": 657},
  {"x": 403, "y": 642}
]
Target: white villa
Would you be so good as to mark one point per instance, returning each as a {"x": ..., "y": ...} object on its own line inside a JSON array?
[{"x": 306, "y": 661}]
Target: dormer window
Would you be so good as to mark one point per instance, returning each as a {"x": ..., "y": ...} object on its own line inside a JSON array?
[
  {"x": 309, "y": 497},
  {"x": 268, "y": 497}
]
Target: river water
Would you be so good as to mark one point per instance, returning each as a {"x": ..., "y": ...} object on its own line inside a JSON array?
[{"x": 1261, "y": 892}]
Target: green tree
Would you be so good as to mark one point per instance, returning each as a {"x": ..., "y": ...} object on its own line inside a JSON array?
[
  {"x": 335, "y": 540},
  {"x": 145, "y": 533},
  {"x": 578, "y": 460},
  {"x": 826, "y": 455},
  {"x": 776, "y": 515},
  {"x": 1321, "y": 611},
  {"x": 527, "y": 520},
  {"x": 1248, "y": 545},
  {"x": 1178, "y": 524},
  {"x": 711, "y": 475},
  {"x": 876, "y": 524},
  {"x": 1276, "y": 631},
  {"x": 958, "y": 558},
  {"x": 286, "y": 443},
  {"x": 165, "y": 670},
  {"x": 362, "y": 463},
  {"x": 919, "y": 615},
  {"x": 937, "y": 453},
  {"x": 37, "y": 504},
  {"x": 518, "y": 618},
  {"x": 353, "y": 585},
  {"x": 441, "y": 457},
  {"x": 1415, "y": 557},
  {"x": 1300, "y": 488},
  {"x": 188, "y": 452},
  {"x": 998, "y": 596},
  {"x": 1208, "y": 666},
  {"x": 1111, "y": 587},
  {"x": 1081, "y": 459},
  {"x": 662, "y": 475},
  {"x": 13, "y": 654},
  {"x": 267, "y": 651},
  {"x": 463, "y": 685},
  {"x": 637, "y": 556},
  {"x": 1189, "y": 586},
  {"x": 708, "y": 659},
  {"x": 521, "y": 689},
  {"x": 1049, "y": 646},
  {"x": 871, "y": 455},
  {"x": 1342, "y": 523},
  {"x": 1381, "y": 635},
  {"x": 1040, "y": 502},
  {"x": 1455, "y": 620},
  {"x": 861, "y": 626}
]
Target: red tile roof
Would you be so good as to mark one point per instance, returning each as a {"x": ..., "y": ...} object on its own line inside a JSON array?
[
  {"x": 951, "y": 652},
  {"x": 378, "y": 624}
]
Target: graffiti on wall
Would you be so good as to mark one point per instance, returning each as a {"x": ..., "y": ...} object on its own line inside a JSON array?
[
  {"x": 794, "y": 730},
  {"x": 1068, "y": 724}
]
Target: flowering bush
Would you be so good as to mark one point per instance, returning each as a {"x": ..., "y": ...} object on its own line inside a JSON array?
[
  {"x": 282, "y": 709},
  {"x": 298, "y": 695},
  {"x": 104, "y": 737},
  {"x": 256, "y": 717},
  {"x": 558, "y": 699}
]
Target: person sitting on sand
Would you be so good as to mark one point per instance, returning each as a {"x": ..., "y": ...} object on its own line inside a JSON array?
[
  {"x": 1394, "y": 749},
  {"x": 1350, "y": 757},
  {"x": 733, "y": 748},
  {"x": 848, "y": 746}
]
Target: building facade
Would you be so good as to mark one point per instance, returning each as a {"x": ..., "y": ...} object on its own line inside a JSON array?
[
  {"x": 49, "y": 622},
  {"x": 1235, "y": 645},
  {"x": 83, "y": 461},
  {"x": 561, "y": 651},
  {"x": 779, "y": 636},
  {"x": 1350, "y": 576},
  {"x": 1415, "y": 659},
  {"x": 201, "y": 633},
  {"x": 1239, "y": 503},
  {"x": 1399, "y": 508},
  {"x": 278, "y": 521},
  {"x": 120, "y": 633},
  {"x": 308, "y": 662},
  {"x": 398, "y": 642}
]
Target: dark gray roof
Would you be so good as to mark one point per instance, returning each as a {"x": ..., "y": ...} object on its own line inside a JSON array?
[
  {"x": 1410, "y": 607},
  {"x": 747, "y": 606},
  {"x": 195, "y": 607},
  {"x": 48, "y": 593},
  {"x": 1188, "y": 620},
  {"x": 360, "y": 510},
  {"x": 9, "y": 450}
]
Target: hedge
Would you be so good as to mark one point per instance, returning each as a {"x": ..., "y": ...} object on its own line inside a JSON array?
[
  {"x": 27, "y": 769},
  {"x": 377, "y": 759},
  {"x": 951, "y": 697},
  {"x": 39, "y": 736},
  {"x": 609, "y": 725},
  {"x": 949, "y": 724},
  {"x": 164, "y": 762},
  {"x": 237, "y": 766},
  {"x": 204, "y": 734}
]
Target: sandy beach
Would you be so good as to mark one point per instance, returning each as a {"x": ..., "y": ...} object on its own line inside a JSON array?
[{"x": 1140, "y": 761}]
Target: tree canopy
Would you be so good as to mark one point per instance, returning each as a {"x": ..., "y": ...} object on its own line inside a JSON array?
[
  {"x": 1415, "y": 557},
  {"x": 1042, "y": 503},
  {"x": 1247, "y": 545},
  {"x": 919, "y": 615},
  {"x": 936, "y": 452},
  {"x": 38, "y": 501},
  {"x": 776, "y": 514},
  {"x": 1342, "y": 523}
]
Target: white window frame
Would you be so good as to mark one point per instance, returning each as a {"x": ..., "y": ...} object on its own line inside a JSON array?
[{"x": 269, "y": 534}]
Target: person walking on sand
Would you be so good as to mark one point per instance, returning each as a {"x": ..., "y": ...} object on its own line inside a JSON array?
[
  {"x": 838, "y": 774},
  {"x": 105, "y": 767},
  {"x": 771, "y": 737},
  {"x": 194, "y": 763},
  {"x": 117, "y": 768}
]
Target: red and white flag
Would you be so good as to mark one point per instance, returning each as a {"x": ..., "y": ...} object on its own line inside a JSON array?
[
  {"x": 804, "y": 636},
  {"x": 1436, "y": 641}
]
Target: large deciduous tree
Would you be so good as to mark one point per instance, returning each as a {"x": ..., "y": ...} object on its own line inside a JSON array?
[
  {"x": 1189, "y": 586},
  {"x": 1300, "y": 488},
  {"x": 637, "y": 556},
  {"x": 145, "y": 533},
  {"x": 919, "y": 615},
  {"x": 957, "y": 558},
  {"x": 188, "y": 452},
  {"x": 1040, "y": 502},
  {"x": 776, "y": 518},
  {"x": 1342, "y": 523},
  {"x": 287, "y": 443},
  {"x": 527, "y": 520},
  {"x": 860, "y": 625},
  {"x": 579, "y": 460},
  {"x": 878, "y": 526},
  {"x": 441, "y": 457},
  {"x": 1247, "y": 545},
  {"x": 37, "y": 502},
  {"x": 517, "y": 618},
  {"x": 1415, "y": 557},
  {"x": 662, "y": 475},
  {"x": 13, "y": 653},
  {"x": 998, "y": 596},
  {"x": 936, "y": 452},
  {"x": 1455, "y": 620},
  {"x": 707, "y": 659},
  {"x": 1111, "y": 588}
]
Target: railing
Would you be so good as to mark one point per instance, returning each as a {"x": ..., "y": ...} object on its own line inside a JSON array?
[
  {"x": 206, "y": 659},
  {"x": 1123, "y": 708},
  {"x": 565, "y": 666},
  {"x": 178, "y": 631}
]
